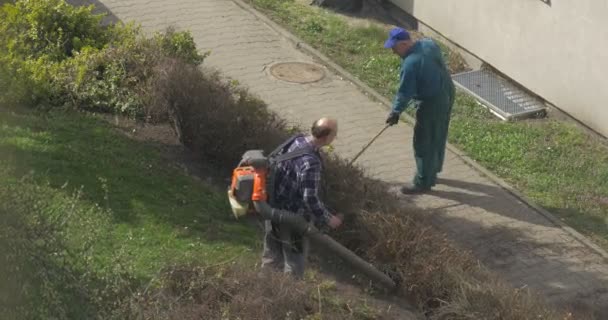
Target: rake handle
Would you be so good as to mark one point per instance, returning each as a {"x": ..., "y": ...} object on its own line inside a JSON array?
[{"x": 369, "y": 144}]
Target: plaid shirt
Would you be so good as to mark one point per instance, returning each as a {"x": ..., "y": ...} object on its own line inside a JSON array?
[{"x": 298, "y": 182}]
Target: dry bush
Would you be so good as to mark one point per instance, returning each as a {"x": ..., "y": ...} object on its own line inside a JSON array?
[
  {"x": 446, "y": 282},
  {"x": 214, "y": 118},
  {"x": 193, "y": 292},
  {"x": 220, "y": 122}
]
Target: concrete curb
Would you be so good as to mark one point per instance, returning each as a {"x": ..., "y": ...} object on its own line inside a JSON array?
[{"x": 301, "y": 45}]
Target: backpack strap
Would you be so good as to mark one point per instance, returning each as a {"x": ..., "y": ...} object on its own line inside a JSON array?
[
  {"x": 294, "y": 154},
  {"x": 282, "y": 146}
]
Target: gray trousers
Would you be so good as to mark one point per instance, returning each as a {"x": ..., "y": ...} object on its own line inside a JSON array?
[{"x": 284, "y": 250}]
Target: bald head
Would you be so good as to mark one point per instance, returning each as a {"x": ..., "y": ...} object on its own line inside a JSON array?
[{"x": 324, "y": 131}]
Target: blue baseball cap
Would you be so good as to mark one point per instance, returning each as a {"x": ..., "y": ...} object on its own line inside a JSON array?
[{"x": 394, "y": 36}]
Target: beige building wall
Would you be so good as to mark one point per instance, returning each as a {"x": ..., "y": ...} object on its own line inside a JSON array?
[{"x": 558, "y": 51}]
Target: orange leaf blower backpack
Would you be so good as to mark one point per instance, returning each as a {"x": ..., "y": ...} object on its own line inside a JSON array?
[{"x": 253, "y": 179}]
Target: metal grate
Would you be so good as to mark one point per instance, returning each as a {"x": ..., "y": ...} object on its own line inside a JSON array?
[{"x": 502, "y": 97}]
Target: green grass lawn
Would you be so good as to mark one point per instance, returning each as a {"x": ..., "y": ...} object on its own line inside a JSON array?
[
  {"x": 153, "y": 215},
  {"x": 102, "y": 215},
  {"x": 553, "y": 162}
]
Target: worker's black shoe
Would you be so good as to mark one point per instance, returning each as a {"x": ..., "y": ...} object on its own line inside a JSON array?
[{"x": 414, "y": 189}]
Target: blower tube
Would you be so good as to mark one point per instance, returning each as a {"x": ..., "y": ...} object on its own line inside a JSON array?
[{"x": 299, "y": 224}]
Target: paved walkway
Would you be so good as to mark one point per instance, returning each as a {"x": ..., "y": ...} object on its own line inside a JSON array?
[{"x": 504, "y": 233}]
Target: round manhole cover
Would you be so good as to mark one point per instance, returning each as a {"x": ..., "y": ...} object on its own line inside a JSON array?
[{"x": 298, "y": 72}]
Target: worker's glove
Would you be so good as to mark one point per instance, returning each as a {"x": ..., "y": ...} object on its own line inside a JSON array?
[{"x": 393, "y": 119}]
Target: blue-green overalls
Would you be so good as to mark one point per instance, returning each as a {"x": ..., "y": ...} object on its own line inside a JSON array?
[{"x": 425, "y": 77}]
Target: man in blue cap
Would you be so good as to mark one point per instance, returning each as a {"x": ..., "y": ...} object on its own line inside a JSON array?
[{"x": 423, "y": 77}]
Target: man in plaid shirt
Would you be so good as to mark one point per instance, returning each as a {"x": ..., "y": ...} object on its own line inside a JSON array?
[{"x": 296, "y": 189}]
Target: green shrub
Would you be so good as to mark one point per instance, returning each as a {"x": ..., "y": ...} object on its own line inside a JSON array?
[
  {"x": 51, "y": 28},
  {"x": 115, "y": 79},
  {"x": 100, "y": 81},
  {"x": 61, "y": 56},
  {"x": 179, "y": 45}
]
